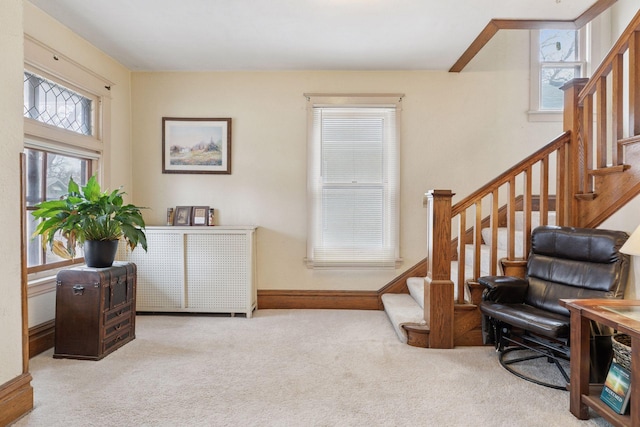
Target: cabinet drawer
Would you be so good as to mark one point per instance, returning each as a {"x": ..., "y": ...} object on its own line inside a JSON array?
[
  {"x": 120, "y": 312},
  {"x": 118, "y": 339},
  {"x": 116, "y": 327}
]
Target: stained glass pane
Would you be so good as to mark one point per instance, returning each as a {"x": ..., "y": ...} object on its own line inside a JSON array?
[{"x": 50, "y": 103}]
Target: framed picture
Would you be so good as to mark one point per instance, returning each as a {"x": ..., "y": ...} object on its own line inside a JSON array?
[
  {"x": 182, "y": 215},
  {"x": 200, "y": 215},
  {"x": 196, "y": 145}
]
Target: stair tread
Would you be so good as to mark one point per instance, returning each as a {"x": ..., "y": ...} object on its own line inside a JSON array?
[
  {"x": 402, "y": 309},
  {"x": 502, "y": 238},
  {"x": 416, "y": 289},
  {"x": 586, "y": 196},
  {"x": 485, "y": 256},
  {"x": 535, "y": 218},
  {"x": 608, "y": 170}
]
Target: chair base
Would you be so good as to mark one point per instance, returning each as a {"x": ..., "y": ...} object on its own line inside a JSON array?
[{"x": 532, "y": 355}]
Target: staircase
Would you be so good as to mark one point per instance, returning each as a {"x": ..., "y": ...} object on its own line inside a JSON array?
[
  {"x": 579, "y": 179},
  {"x": 406, "y": 310}
]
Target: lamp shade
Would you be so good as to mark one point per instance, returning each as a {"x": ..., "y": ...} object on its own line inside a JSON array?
[{"x": 632, "y": 245}]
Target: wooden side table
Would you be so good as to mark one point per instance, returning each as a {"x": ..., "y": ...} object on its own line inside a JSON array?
[{"x": 622, "y": 315}]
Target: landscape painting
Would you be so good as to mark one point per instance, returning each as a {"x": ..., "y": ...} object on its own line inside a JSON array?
[{"x": 196, "y": 145}]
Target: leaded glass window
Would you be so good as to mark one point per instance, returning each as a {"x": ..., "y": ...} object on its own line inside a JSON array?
[{"x": 50, "y": 103}]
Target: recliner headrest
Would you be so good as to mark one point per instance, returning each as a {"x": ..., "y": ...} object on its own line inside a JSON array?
[{"x": 580, "y": 244}]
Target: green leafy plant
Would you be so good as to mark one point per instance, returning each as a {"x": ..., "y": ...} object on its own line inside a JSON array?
[{"x": 88, "y": 213}]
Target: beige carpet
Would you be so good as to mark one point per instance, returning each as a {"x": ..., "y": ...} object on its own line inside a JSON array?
[{"x": 287, "y": 368}]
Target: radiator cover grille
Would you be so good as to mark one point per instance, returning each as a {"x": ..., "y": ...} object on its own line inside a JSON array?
[{"x": 195, "y": 270}]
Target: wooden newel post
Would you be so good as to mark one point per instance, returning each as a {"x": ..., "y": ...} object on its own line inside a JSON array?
[
  {"x": 438, "y": 289},
  {"x": 576, "y": 155}
]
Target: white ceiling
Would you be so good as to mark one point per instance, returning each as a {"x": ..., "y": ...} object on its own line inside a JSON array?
[{"x": 201, "y": 35}]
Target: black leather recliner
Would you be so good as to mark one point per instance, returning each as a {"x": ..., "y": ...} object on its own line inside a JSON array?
[{"x": 564, "y": 262}]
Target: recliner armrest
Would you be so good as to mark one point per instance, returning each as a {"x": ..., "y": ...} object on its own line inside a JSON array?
[{"x": 504, "y": 289}]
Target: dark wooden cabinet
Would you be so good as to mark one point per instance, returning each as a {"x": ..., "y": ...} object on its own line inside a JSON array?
[{"x": 95, "y": 310}]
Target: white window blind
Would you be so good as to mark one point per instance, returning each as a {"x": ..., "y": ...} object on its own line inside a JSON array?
[{"x": 353, "y": 186}]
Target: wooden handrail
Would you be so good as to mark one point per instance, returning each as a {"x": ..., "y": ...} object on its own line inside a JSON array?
[
  {"x": 507, "y": 175},
  {"x": 619, "y": 48}
]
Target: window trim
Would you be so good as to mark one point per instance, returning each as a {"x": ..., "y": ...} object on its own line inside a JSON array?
[{"x": 348, "y": 101}]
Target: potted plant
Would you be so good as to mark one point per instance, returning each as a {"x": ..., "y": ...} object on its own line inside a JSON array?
[{"x": 91, "y": 218}]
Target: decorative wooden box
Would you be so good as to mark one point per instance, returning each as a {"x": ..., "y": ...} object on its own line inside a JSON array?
[{"x": 95, "y": 310}]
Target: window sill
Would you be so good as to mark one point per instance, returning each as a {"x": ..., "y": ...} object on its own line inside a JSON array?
[
  {"x": 41, "y": 285},
  {"x": 545, "y": 116},
  {"x": 42, "y": 282},
  {"x": 352, "y": 265}
]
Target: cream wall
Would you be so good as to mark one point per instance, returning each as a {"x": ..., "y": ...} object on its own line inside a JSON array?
[
  {"x": 621, "y": 14},
  {"x": 119, "y": 165},
  {"x": 11, "y": 131},
  {"x": 448, "y": 122}
]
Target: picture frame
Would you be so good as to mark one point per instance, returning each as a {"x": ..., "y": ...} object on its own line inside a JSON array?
[
  {"x": 200, "y": 215},
  {"x": 182, "y": 215},
  {"x": 196, "y": 145}
]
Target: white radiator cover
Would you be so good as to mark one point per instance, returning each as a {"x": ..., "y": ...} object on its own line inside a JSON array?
[{"x": 196, "y": 269}]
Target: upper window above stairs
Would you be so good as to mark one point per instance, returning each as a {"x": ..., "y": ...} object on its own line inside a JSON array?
[{"x": 557, "y": 56}]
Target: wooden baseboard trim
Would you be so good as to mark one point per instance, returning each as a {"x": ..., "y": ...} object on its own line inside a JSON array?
[
  {"x": 16, "y": 399},
  {"x": 41, "y": 337},
  {"x": 347, "y": 300}
]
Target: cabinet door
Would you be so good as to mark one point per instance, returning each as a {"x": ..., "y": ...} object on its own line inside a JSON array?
[
  {"x": 160, "y": 281},
  {"x": 218, "y": 272}
]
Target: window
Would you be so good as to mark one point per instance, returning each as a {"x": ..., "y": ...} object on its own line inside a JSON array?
[
  {"x": 557, "y": 56},
  {"x": 61, "y": 141},
  {"x": 50, "y": 103},
  {"x": 47, "y": 176},
  {"x": 353, "y": 182}
]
